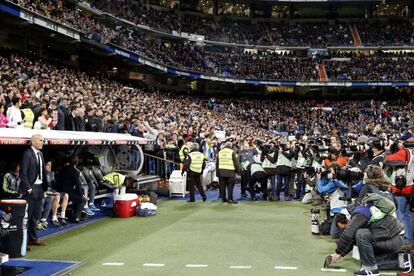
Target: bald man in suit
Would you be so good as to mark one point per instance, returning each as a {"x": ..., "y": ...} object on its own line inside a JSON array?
[{"x": 32, "y": 185}]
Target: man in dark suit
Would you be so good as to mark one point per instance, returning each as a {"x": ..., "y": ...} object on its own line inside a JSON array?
[
  {"x": 69, "y": 183},
  {"x": 32, "y": 177}
]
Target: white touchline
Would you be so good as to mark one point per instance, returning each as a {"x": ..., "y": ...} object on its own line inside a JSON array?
[
  {"x": 114, "y": 264},
  {"x": 333, "y": 269},
  {"x": 240, "y": 266},
  {"x": 196, "y": 265},
  {"x": 286, "y": 267},
  {"x": 155, "y": 265}
]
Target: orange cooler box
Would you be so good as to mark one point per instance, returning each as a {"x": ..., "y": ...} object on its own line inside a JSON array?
[{"x": 125, "y": 205}]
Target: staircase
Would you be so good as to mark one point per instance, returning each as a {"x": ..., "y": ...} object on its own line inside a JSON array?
[
  {"x": 355, "y": 36},
  {"x": 322, "y": 72}
]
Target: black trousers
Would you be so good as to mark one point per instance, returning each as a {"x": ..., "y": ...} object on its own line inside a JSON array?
[
  {"x": 78, "y": 202},
  {"x": 244, "y": 181},
  {"x": 35, "y": 202},
  {"x": 260, "y": 177},
  {"x": 301, "y": 184},
  {"x": 226, "y": 183},
  {"x": 194, "y": 180}
]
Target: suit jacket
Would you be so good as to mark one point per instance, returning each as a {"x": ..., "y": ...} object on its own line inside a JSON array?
[
  {"x": 29, "y": 169},
  {"x": 69, "y": 181}
]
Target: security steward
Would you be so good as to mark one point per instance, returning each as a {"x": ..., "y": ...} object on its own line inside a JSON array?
[
  {"x": 184, "y": 150},
  {"x": 228, "y": 165},
  {"x": 28, "y": 115},
  {"x": 194, "y": 165}
]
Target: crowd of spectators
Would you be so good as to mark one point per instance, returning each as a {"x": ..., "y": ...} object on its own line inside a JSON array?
[
  {"x": 228, "y": 30},
  {"x": 232, "y": 62},
  {"x": 225, "y": 30},
  {"x": 78, "y": 101},
  {"x": 382, "y": 67},
  {"x": 69, "y": 15},
  {"x": 229, "y": 62},
  {"x": 397, "y": 33}
]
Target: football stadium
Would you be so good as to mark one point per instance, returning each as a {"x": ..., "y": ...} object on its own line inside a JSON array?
[{"x": 206, "y": 137}]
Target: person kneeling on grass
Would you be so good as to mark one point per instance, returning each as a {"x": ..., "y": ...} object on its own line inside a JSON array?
[
  {"x": 52, "y": 200},
  {"x": 377, "y": 235}
]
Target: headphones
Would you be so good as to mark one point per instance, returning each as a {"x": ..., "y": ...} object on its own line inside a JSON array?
[{"x": 370, "y": 173}]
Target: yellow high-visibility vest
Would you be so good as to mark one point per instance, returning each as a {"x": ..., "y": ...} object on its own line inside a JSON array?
[
  {"x": 28, "y": 117},
  {"x": 197, "y": 159},
  {"x": 183, "y": 151},
  {"x": 115, "y": 178},
  {"x": 226, "y": 159}
]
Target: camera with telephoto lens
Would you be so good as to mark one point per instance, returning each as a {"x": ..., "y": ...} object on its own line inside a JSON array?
[
  {"x": 347, "y": 174},
  {"x": 378, "y": 144},
  {"x": 265, "y": 148},
  {"x": 408, "y": 144}
]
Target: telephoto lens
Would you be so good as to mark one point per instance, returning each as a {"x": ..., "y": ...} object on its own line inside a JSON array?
[{"x": 315, "y": 221}]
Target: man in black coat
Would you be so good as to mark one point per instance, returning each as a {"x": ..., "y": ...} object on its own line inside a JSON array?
[
  {"x": 378, "y": 242},
  {"x": 69, "y": 183},
  {"x": 32, "y": 185}
]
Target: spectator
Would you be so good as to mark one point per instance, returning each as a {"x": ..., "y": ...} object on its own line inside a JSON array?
[
  {"x": 45, "y": 121},
  {"x": 14, "y": 114},
  {"x": 3, "y": 119}
]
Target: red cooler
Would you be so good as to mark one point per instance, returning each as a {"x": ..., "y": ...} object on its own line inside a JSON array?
[{"x": 125, "y": 205}]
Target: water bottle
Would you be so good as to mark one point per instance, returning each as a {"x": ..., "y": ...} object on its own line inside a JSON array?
[{"x": 315, "y": 221}]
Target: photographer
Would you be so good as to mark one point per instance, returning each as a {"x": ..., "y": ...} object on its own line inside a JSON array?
[
  {"x": 257, "y": 174},
  {"x": 300, "y": 165},
  {"x": 399, "y": 170},
  {"x": 284, "y": 170},
  {"x": 311, "y": 195},
  {"x": 269, "y": 159},
  {"x": 335, "y": 190},
  {"x": 377, "y": 153},
  {"x": 376, "y": 236},
  {"x": 246, "y": 157},
  {"x": 374, "y": 182}
]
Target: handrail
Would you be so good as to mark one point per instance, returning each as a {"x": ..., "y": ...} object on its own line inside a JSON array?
[{"x": 162, "y": 159}]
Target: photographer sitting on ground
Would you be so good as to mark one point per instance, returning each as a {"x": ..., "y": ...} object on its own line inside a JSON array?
[
  {"x": 336, "y": 190},
  {"x": 311, "y": 194},
  {"x": 377, "y": 235},
  {"x": 374, "y": 182}
]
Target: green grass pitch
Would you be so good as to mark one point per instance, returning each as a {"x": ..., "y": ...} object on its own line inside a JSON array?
[{"x": 253, "y": 236}]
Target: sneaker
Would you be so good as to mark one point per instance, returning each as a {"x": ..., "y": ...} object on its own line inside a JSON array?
[
  {"x": 63, "y": 222},
  {"x": 40, "y": 227},
  {"x": 405, "y": 261},
  {"x": 88, "y": 211},
  {"x": 94, "y": 208},
  {"x": 56, "y": 223},
  {"x": 44, "y": 224},
  {"x": 361, "y": 272}
]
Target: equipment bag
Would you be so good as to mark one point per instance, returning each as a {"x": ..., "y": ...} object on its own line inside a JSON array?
[{"x": 325, "y": 228}]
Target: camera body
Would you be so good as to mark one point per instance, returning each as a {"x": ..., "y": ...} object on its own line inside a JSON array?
[{"x": 400, "y": 181}]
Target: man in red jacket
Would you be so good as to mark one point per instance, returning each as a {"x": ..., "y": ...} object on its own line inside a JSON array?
[{"x": 399, "y": 170}]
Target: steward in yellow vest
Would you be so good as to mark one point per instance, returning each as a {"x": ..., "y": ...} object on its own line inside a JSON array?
[
  {"x": 194, "y": 165},
  {"x": 227, "y": 165},
  {"x": 28, "y": 118}
]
